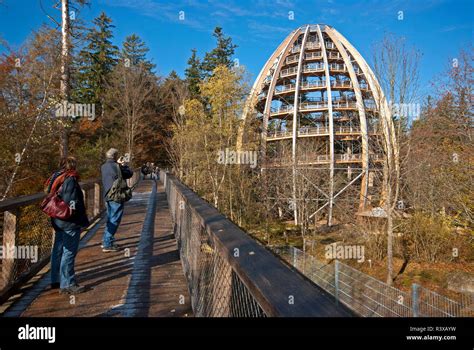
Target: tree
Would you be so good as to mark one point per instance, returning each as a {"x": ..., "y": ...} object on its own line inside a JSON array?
[
  {"x": 130, "y": 95},
  {"x": 65, "y": 86},
  {"x": 193, "y": 74},
  {"x": 439, "y": 186},
  {"x": 96, "y": 61},
  {"x": 396, "y": 68},
  {"x": 135, "y": 50},
  {"x": 220, "y": 55},
  {"x": 29, "y": 91},
  {"x": 65, "y": 61},
  {"x": 202, "y": 131}
]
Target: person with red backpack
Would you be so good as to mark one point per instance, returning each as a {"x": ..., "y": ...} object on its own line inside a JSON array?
[{"x": 65, "y": 185}]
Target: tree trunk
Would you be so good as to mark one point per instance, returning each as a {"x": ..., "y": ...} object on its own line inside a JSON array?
[
  {"x": 388, "y": 211},
  {"x": 65, "y": 87}
]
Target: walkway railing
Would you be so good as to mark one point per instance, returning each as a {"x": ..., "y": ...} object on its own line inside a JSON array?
[
  {"x": 311, "y": 158},
  {"x": 229, "y": 273},
  {"x": 26, "y": 234},
  {"x": 313, "y": 130},
  {"x": 369, "y": 297}
]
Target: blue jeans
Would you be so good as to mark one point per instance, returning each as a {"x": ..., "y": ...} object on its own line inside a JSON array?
[
  {"x": 114, "y": 216},
  {"x": 63, "y": 255}
]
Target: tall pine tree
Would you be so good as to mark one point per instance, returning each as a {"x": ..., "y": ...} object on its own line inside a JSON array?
[
  {"x": 96, "y": 61},
  {"x": 135, "y": 50},
  {"x": 193, "y": 74},
  {"x": 220, "y": 55}
]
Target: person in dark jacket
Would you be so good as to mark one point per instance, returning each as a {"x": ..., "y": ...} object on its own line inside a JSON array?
[
  {"x": 144, "y": 170},
  {"x": 110, "y": 172},
  {"x": 67, "y": 232}
]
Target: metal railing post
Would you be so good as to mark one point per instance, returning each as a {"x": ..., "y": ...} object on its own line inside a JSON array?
[
  {"x": 414, "y": 299},
  {"x": 336, "y": 280},
  {"x": 10, "y": 230},
  {"x": 85, "y": 196},
  {"x": 293, "y": 252},
  {"x": 97, "y": 196}
]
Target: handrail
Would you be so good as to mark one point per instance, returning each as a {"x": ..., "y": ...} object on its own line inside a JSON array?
[
  {"x": 282, "y": 109},
  {"x": 323, "y": 130},
  {"x": 316, "y": 83},
  {"x": 313, "y": 105},
  {"x": 313, "y": 67},
  {"x": 288, "y": 71},
  {"x": 283, "y": 88},
  {"x": 231, "y": 274},
  {"x": 292, "y": 58},
  {"x": 314, "y": 130},
  {"x": 308, "y": 85},
  {"x": 337, "y": 67},
  {"x": 304, "y": 106},
  {"x": 13, "y": 203},
  {"x": 313, "y": 158},
  {"x": 334, "y": 55},
  {"x": 313, "y": 55},
  {"x": 313, "y": 45}
]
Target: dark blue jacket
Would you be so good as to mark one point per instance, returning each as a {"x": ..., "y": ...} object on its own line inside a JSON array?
[
  {"x": 109, "y": 171},
  {"x": 71, "y": 192}
]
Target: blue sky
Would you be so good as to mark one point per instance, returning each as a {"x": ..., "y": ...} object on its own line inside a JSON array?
[{"x": 438, "y": 28}]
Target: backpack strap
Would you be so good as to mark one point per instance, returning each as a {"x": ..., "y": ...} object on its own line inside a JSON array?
[{"x": 119, "y": 171}]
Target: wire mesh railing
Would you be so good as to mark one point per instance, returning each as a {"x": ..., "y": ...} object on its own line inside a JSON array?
[
  {"x": 369, "y": 297},
  {"x": 229, "y": 273},
  {"x": 215, "y": 288},
  {"x": 432, "y": 304}
]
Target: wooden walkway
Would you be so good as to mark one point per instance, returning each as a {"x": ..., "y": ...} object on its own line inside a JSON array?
[{"x": 144, "y": 279}]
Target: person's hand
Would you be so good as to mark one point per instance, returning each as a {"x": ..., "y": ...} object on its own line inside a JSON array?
[{"x": 121, "y": 161}]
